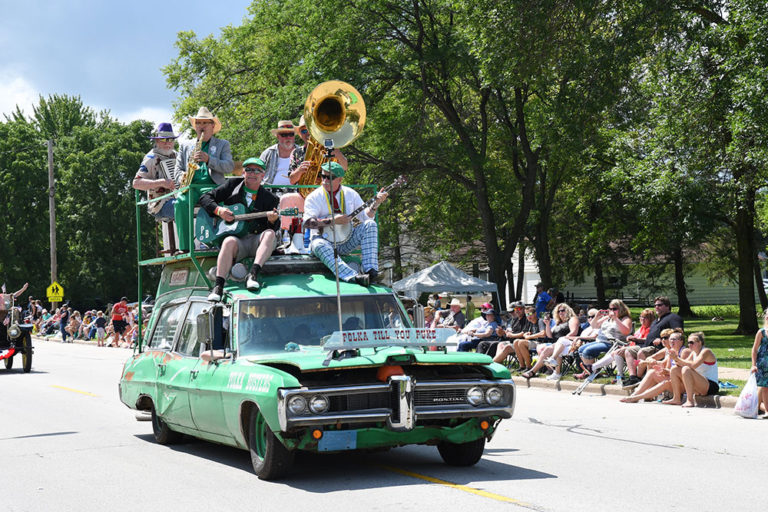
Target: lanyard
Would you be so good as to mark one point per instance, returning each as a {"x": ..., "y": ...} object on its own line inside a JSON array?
[{"x": 341, "y": 202}]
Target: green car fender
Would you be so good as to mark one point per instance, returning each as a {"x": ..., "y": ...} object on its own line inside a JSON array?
[{"x": 257, "y": 385}]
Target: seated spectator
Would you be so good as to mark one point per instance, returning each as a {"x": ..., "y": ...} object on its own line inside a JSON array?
[
  {"x": 486, "y": 332},
  {"x": 524, "y": 342},
  {"x": 566, "y": 326},
  {"x": 665, "y": 320},
  {"x": 657, "y": 379},
  {"x": 615, "y": 324},
  {"x": 636, "y": 341},
  {"x": 567, "y": 344},
  {"x": 695, "y": 374},
  {"x": 429, "y": 316},
  {"x": 451, "y": 318},
  {"x": 511, "y": 328},
  {"x": 73, "y": 326}
]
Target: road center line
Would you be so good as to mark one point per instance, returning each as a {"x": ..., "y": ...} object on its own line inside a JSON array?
[
  {"x": 73, "y": 390},
  {"x": 464, "y": 488}
]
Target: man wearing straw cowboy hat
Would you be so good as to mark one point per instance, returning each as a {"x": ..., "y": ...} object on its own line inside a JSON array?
[
  {"x": 151, "y": 175},
  {"x": 215, "y": 161},
  {"x": 278, "y": 156}
]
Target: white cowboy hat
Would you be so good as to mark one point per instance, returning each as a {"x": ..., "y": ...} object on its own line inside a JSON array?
[{"x": 204, "y": 113}]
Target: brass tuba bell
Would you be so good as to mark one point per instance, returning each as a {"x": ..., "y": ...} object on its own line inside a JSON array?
[{"x": 334, "y": 110}]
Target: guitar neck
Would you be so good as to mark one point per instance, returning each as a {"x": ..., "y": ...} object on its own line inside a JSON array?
[
  {"x": 251, "y": 216},
  {"x": 372, "y": 200}
]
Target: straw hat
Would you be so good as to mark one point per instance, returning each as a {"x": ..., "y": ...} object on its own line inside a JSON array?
[
  {"x": 205, "y": 114},
  {"x": 283, "y": 127}
]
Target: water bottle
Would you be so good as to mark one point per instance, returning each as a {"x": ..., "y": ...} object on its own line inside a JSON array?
[
  {"x": 306, "y": 238},
  {"x": 618, "y": 380},
  {"x": 286, "y": 238}
]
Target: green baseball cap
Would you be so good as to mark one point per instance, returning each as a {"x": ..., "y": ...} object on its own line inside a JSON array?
[
  {"x": 255, "y": 161},
  {"x": 334, "y": 168}
]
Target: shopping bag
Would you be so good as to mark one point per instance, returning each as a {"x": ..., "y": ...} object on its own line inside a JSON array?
[{"x": 748, "y": 403}]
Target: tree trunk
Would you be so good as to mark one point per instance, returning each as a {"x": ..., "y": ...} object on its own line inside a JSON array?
[
  {"x": 759, "y": 278},
  {"x": 520, "y": 270},
  {"x": 683, "y": 306},
  {"x": 510, "y": 272},
  {"x": 744, "y": 231},
  {"x": 599, "y": 283}
]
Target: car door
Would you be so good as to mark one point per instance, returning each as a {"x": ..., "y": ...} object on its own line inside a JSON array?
[
  {"x": 174, "y": 369},
  {"x": 210, "y": 379}
]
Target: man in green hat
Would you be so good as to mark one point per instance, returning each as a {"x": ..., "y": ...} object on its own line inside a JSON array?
[
  {"x": 327, "y": 228},
  {"x": 260, "y": 240}
]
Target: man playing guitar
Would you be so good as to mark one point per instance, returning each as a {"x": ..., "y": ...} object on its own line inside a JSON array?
[
  {"x": 317, "y": 217},
  {"x": 260, "y": 239}
]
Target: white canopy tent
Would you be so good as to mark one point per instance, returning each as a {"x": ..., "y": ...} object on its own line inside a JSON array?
[{"x": 442, "y": 277}]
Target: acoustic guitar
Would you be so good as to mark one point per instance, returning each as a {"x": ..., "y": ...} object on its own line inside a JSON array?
[{"x": 211, "y": 230}]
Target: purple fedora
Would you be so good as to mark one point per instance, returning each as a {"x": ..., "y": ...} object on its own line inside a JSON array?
[{"x": 164, "y": 131}]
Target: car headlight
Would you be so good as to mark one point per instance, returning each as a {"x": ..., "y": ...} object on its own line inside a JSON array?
[
  {"x": 494, "y": 396},
  {"x": 318, "y": 404},
  {"x": 297, "y": 404},
  {"x": 475, "y": 396},
  {"x": 14, "y": 331}
]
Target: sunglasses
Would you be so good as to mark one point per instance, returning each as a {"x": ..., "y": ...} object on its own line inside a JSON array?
[
  {"x": 591, "y": 316},
  {"x": 166, "y": 140},
  {"x": 304, "y": 131},
  {"x": 658, "y": 305},
  {"x": 691, "y": 342},
  {"x": 614, "y": 309},
  {"x": 665, "y": 337},
  {"x": 253, "y": 169},
  {"x": 327, "y": 176},
  {"x": 286, "y": 134}
]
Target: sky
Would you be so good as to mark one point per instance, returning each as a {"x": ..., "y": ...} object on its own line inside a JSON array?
[{"x": 110, "y": 53}]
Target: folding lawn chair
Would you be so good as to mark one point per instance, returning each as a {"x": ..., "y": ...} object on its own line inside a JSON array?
[{"x": 592, "y": 376}]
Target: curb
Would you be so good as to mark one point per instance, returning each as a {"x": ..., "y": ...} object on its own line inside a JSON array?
[{"x": 709, "y": 402}]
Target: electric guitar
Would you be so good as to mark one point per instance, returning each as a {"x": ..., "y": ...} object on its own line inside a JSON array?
[
  {"x": 213, "y": 229},
  {"x": 340, "y": 233}
]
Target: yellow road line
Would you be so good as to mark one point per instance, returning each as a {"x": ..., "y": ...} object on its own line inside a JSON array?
[
  {"x": 73, "y": 390},
  {"x": 471, "y": 490}
]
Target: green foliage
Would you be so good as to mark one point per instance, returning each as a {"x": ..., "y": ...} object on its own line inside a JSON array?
[{"x": 95, "y": 159}]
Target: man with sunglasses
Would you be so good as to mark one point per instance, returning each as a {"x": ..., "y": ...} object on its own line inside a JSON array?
[
  {"x": 151, "y": 175},
  {"x": 215, "y": 161},
  {"x": 318, "y": 216},
  {"x": 665, "y": 319},
  {"x": 277, "y": 157},
  {"x": 260, "y": 239}
]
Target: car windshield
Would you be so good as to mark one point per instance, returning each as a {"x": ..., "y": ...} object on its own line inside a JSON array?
[{"x": 275, "y": 325}]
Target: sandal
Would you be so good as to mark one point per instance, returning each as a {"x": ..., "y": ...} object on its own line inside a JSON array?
[{"x": 528, "y": 375}]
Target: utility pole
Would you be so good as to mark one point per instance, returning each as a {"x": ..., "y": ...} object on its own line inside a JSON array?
[{"x": 52, "y": 212}]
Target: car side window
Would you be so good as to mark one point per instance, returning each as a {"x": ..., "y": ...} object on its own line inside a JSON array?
[
  {"x": 189, "y": 344},
  {"x": 165, "y": 329}
]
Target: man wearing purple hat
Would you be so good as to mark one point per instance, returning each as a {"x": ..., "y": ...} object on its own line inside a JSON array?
[{"x": 156, "y": 173}]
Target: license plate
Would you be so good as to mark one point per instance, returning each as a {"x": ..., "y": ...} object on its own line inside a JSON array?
[{"x": 336, "y": 440}]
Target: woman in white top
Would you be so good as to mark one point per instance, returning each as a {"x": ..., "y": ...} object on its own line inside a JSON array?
[{"x": 696, "y": 374}]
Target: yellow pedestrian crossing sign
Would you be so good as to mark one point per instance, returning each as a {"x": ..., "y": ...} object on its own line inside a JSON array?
[{"x": 55, "y": 292}]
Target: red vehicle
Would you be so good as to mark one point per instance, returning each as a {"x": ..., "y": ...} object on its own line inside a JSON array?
[{"x": 15, "y": 337}]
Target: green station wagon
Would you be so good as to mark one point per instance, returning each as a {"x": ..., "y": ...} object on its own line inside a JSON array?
[{"x": 274, "y": 372}]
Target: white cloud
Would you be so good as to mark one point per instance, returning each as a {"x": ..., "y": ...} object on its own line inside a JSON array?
[
  {"x": 16, "y": 90},
  {"x": 154, "y": 115}
]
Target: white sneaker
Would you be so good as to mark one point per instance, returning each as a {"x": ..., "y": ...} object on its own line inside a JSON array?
[
  {"x": 555, "y": 376},
  {"x": 551, "y": 362},
  {"x": 252, "y": 284},
  {"x": 215, "y": 295}
]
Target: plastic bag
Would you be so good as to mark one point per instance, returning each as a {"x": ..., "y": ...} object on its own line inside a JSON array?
[{"x": 748, "y": 401}]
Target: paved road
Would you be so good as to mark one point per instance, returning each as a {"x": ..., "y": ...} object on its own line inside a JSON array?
[{"x": 67, "y": 443}]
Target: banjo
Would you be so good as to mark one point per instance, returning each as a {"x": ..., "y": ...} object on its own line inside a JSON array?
[{"x": 340, "y": 233}]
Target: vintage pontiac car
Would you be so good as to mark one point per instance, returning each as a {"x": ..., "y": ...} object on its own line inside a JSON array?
[{"x": 273, "y": 372}]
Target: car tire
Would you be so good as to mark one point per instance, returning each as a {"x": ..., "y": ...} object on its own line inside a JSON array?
[
  {"x": 26, "y": 356},
  {"x": 161, "y": 430},
  {"x": 462, "y": 454},
  {"x": 271, "y": 460},
  {"x": 9, "y": 363}
]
